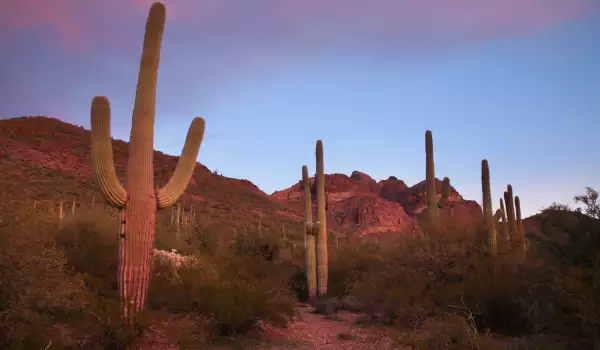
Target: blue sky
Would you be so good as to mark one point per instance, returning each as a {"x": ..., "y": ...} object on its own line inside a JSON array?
[{"x": 515, "y": 82}]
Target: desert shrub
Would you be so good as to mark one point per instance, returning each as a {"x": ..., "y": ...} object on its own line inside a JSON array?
[
  {"x": 36, "y": 286},
  {"x": 90, "y": 244},
  {"x": 235, "y": 287},
  {"x": 444, "y": 272}
]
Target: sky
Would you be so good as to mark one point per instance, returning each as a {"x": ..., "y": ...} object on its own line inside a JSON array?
[{"x": 516, "y": 82}]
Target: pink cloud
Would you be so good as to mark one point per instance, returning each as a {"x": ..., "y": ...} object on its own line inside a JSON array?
[{"x": 313, "y": 22}]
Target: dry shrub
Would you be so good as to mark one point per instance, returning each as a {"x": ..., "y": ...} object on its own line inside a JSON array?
[
  {"x": 445, "y": 272},
  {"x": 37, "y": 289},
  {"x": 236, "y": 287}
]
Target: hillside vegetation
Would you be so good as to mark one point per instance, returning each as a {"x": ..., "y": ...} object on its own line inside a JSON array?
[{"x": 58, "y": 284}]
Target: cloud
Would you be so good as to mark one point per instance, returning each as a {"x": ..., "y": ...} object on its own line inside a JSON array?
[{"x": 311, "y": 23}]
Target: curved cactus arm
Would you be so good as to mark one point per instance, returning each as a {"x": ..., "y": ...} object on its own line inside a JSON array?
[
  {"x": 170, "y": 193},
  {"x": 102, "y": 153}
]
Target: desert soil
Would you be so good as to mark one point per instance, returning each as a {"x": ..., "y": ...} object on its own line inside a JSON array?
[{"x": 313, "y": 331}]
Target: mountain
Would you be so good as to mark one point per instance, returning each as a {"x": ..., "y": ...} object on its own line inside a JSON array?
[
  {"x": 360, "y": 205},
  {"x": 49, "y": 160}
]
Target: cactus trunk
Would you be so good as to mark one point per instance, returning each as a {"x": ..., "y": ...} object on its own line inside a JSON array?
[
  {"x": 519, "y": 224},
  {"x": 512, "y": 222},
  {"x": 322, "y": 258},
  {"x": 432, "y": 205},
  {"x": 504, "y": 227},
  {"x": 311, "y": 257},
  {"x": 488, "y": 216},
  {"x": 138, "y": 201}
]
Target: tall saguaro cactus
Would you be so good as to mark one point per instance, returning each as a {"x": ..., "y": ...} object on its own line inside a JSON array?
[
  {"x": 322, "y": 258},
  {"x": 432, "y": 205},
  {"x": 488, "y": 216},
  {"x": 138, "y": 200},
  {"x": 510, "y": 215},
  {"x": 311, "y": 228}
]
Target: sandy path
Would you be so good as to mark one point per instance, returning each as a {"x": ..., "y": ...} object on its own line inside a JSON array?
[{"x": 313, "y": 331}]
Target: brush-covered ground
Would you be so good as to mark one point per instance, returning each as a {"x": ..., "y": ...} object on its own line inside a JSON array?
[{"x": 245, "y": 290}]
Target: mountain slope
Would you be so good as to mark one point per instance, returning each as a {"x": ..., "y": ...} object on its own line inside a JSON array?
[
  {"x": 47, "y": 160},
  {"x": 358, "y": 204}
]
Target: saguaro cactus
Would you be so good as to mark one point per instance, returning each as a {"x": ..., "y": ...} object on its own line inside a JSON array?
[
  {"x": 310, "y": 228},
  {"x": 504, "y": 226},
  {"x": 322, "y": 259},
  {"x": 445, "y": 192},
  {"x": 139, "y": 200},
  {"x": 488, "y": 216},
  {"x": 432, "y": 205},
  {"x": 510, "y": 215},
  {"x": 519, "y": 224}
]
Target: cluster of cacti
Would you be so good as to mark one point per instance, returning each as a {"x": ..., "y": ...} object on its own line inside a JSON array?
[
  {"x": 182, "y": 218},
  {"x": 432, "y": 202},
  {"x": 316, "y": 232},
  {"x": 139, "y": 200},
  {"x": 512, "y": 234},
  {"x": 512, "y": 228},
  {"x": 516, "y": 232}
]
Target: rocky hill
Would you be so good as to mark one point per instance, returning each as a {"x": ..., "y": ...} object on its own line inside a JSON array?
[
  {"x": 360, "y": 205},
  {"x": 49, "y": 160}
]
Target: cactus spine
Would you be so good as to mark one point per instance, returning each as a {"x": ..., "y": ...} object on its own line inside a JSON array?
[
  {"x": 138, "y": 200},
  {"x": 311, "y": 229},
  {"x": 488, "y": 216},
  {"x": 322, "y": 258}
]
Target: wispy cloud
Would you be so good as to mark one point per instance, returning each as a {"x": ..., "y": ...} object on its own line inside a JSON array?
[{"x": 313, "y": 24}]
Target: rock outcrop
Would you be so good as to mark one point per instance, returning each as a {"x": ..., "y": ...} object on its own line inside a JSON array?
[{"x": 360, "y": 205}]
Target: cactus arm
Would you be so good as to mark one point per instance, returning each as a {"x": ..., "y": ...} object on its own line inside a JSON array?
[
  {"x": 102, "y": 153},
  {"x": 169, "y": 194}
]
